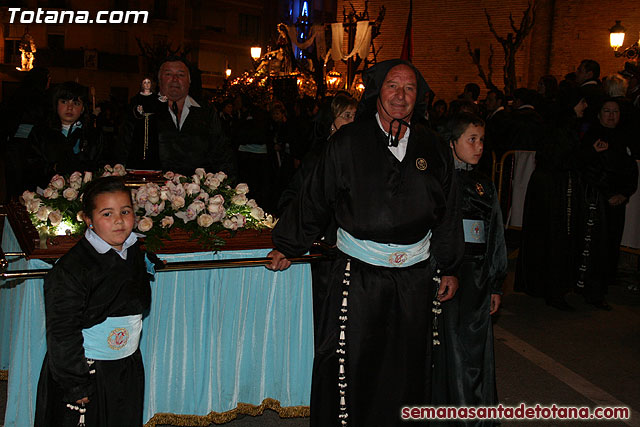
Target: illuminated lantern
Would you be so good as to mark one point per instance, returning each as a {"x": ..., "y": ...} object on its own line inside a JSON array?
[{"x": 616, "y": 35}]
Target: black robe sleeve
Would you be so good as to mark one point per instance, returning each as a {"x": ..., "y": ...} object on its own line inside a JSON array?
[
  {"x": 496, "y": 248},
  {"x": 65, "y": 300},
  {"x": 447, "y": 241}
]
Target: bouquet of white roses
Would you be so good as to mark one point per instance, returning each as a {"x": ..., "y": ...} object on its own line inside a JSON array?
[
  {"x": 202, "y": 205},
  {"x": 58, "y": 209}
]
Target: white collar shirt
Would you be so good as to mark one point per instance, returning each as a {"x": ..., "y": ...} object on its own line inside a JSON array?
[
  {"x": 399, "y": 151},
  {"x": 103, "y": 247},
  {"x": 188, "y": 103}
]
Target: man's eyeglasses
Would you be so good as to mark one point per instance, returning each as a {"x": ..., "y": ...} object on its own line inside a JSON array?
[{"x": 348, "y": 115}]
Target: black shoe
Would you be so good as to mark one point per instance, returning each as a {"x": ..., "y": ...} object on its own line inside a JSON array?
[
  {"x": 602, "y": 305},
  {"x": 561, "y": 305}
]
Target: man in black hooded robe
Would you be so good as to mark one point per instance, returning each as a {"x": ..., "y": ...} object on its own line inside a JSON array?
[{"x": 389, "y": 186}]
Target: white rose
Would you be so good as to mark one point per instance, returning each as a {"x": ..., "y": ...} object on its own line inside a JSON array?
[
  {"x": 50, "y": 193},
  {"x": 166, "y": 222},
  {"x": 152, "y": 209},
  {"x": 55, "y": 217},
  {"x": 252, "y": 204},
  {"x": 201, "y": 173},
  {"x": 70, "y": 194},
  {"x": 145, "y": 224},
  {"x": 168, "y": 175},
  {"x": 33, "y": 205},
  {"x": 177, "y": 202},
  {"x": 187, "y": 215},
  {"x": 80, "y": 216},
  {"x": 28, "y": 196},
  {"x": 119, "y": 170},
  {"x": 229, "y": 224},
  {"x": 216, "y": 200},
  {"x": 205, "y": 220},
  {"x": 153, "y": 195},
  {"x": 204, "y": 196},
  {"x": 212, "y": 182},
  {"x": 142, "y": 196},
  {"x": 242, "y": 188},
  {"x": 57, "y": 182},
  {"x": 88, "y": 176},
  {"x": 195, "y": 179},
  {"x": 164, "y": 193},
  {"x": 177, "y": 190},
  {"x": 105, "y": 174},
  {"x": 108, "y": 168},
  {"x": 215, "y": 209},
  {"x": 43, "y": 213},
  {"x": 217, "y": 212},
  {"x": 176, "y": 178},
  {"x": 257, "y": 213},
  {"x": 75, "y": 180},
  {"x": 197, "y": 206},
  {"x": 240, "y": 220},
  {"x": 239, "y": 199},
  {"x": 192, "y": 188},
  {"x": 221, "y": 176}
]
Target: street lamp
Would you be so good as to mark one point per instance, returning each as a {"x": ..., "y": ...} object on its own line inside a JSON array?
[
  {"x": 256, "y": 52},
  {"x": 616, "y": 36},
  {"x": 616, "y": 39},
  {"x": 227, "y": 72}
]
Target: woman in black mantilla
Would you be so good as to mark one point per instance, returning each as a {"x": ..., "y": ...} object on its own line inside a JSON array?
[
  {"x": 389, "y": 185},
  {"x": 464, "y": 363},
  {"x": 546, "y": 265},
  {"x": 94, "y": 299},
  {"x": 610, "y": 177}
]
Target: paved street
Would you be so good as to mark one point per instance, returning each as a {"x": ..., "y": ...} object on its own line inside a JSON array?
[{"x": 587, "y": 357}]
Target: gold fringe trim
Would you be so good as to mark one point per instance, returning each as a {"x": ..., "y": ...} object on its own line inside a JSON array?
[
  {"x": 225, "y": 417},
  {"x": 4, "y": 375}
]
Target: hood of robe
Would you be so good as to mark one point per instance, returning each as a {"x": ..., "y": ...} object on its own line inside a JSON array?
[{"x": 373, "y": 79}]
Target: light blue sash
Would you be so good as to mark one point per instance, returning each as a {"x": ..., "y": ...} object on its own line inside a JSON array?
[
  {"x": 384, "y": 254},
  {"x": 473, "y": 231},
  {"x": 113, "y": 339}
]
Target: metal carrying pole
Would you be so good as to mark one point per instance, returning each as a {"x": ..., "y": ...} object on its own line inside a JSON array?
[{"x": 178, "y": 266}]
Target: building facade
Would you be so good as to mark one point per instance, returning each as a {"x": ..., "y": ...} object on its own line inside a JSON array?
[
  {"x": 565, "y": 32},
  {"x": 215, "y": 34}
]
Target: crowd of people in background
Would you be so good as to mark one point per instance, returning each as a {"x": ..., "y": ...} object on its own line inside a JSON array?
[{"x": 583, "y": 130}]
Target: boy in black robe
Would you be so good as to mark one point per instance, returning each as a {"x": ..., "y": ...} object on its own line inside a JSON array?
[{"x": 464, "y": 360}]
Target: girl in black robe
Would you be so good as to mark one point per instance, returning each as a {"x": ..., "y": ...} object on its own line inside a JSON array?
[
  {"x": 373, "y": 353},
  {"x": 464, "y": 361},
  {"x": 101, "y": 279}
]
